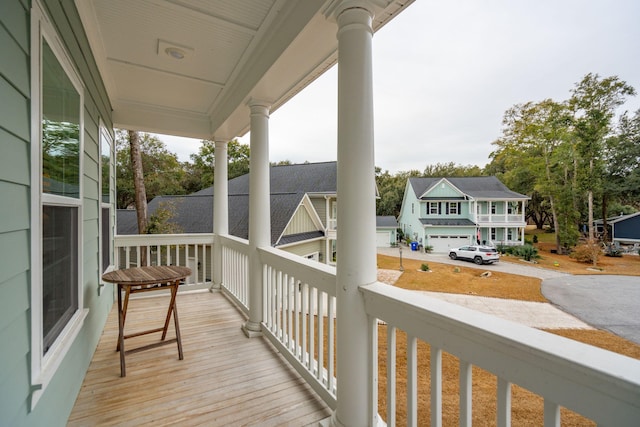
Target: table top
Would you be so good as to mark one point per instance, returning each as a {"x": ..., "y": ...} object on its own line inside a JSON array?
[{"x": 147, "y": 275}]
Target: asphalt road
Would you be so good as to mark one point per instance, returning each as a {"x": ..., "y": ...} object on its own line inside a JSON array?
[{"x": 606, "y": 302}]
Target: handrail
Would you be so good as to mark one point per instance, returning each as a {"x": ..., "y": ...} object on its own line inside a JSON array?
[{"x": 595, "y": 383}]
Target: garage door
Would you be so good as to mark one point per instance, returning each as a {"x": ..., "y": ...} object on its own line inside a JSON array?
[
  {"x": 442, "y": 243},
  {"x": 383, "y": 239}
]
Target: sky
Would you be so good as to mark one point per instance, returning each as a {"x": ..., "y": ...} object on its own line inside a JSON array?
[{"x": 445, "y": 72}]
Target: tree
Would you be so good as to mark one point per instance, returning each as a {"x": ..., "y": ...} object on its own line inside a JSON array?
[
  {"x": 594, "y": 102},
  {"x": 201, "y": 171},
  {"x": 138, "y": 181},
  {"x": 163, "y": 173},
  {"x": 451, "y": 169},
  {"x": 622, "y": 154},
  {"x": 535, "y": 156}
]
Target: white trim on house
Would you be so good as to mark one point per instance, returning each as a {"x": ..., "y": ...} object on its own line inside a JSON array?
[{"x": 44, "y": 366}]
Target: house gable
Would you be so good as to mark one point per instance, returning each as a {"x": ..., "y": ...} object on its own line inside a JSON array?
[
  {"x": 305, "y": 219},
  {"x": 442, "y": 190}
]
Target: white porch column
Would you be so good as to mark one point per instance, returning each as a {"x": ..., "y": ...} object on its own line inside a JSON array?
[
  {"x": 259, "y": 210},
  {"x": 356, "y": 262},
  {"x": 220, "y": 208}
]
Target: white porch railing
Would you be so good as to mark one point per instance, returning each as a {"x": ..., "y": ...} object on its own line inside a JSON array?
[
  {"x": 299, "y": 319},
  {"x": 235, "y": 270},
  {"x": 299, "y": 316},
  {"x": 500, "y": 219},
  {"x": 188, "y": 250},
  {"x": 595, "y": 383}
]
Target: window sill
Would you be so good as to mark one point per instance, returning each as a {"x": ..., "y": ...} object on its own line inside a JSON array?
[{"x": 49, "y": 364}]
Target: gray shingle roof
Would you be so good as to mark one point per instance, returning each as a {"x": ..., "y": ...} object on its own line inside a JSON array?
[
  {"x": 386, "y": 221},
  {"x": 455, "y": 222},
  {"x": 289, "y": 183},
  {"x": 481, "y": 187}
]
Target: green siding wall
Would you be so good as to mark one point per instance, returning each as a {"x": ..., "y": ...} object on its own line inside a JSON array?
[
  {"x": 14, "y": 212},
  {"x": 15, "y": 316}
]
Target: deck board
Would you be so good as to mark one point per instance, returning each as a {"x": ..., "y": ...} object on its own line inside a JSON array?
[{"x": 225, "y": 378}]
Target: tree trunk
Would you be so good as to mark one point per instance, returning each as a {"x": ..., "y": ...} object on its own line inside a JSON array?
[
  {"x": 605, "y": 207},
  {"x": 592, "y": 235},
  {"x": 138, "y": 185},
  {"x": 590, "y": 202}
]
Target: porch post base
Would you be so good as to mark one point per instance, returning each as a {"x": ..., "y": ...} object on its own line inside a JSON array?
[
  {"x": 332, "y": 421},
  {"x": 215, "y": 287},
  {"x": 252, "y": 329}
]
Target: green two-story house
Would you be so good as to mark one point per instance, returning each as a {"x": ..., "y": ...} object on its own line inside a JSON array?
[{"x": 450, "y": 212}]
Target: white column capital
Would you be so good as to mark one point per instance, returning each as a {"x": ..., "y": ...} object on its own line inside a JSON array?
[
  {"x": 336, "y": 7},
  {"x": 256, "y": 104}
]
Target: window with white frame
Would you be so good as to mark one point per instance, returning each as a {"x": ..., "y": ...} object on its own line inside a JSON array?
[
  {"x": 493, "y": 233},
  {"x": 56, "y": 256},
  {"x": 433, "y": 208},
  {"x": 509, "y": 234},
  {"x": 493, "y": 208},
  {"x": 454, "y": 208},
  {"x": 106, "y": 227}
]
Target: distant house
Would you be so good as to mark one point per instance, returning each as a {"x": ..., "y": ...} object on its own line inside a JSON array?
[
  {"x": 451, "y": 212},
  {"x": 303, "y": 209},
  {"x": 386, "y": 231},
  {"x": 624, "y": 229}
]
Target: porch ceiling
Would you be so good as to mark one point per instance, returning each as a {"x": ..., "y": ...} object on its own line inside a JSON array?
[{"x": 233, "y": 50}]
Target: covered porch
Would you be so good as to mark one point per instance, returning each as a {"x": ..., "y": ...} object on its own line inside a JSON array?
[{"x": 296, "y": 313}]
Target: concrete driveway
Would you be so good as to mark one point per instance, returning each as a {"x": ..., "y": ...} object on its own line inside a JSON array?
[{"x": 606, "y": 302}]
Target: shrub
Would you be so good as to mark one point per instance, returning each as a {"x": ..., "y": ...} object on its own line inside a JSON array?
[
  {"x": 588, "y": 252},
  {"x": 527, "y": 252},
  {"x": 535, "y": 238},
  {"x": 428, "y": 249},
  {"x": 612, "y": 251},
  {"x": 424, "y": 267}
]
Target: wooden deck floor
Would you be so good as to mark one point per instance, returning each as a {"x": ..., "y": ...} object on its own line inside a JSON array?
[{"x": 225, "y": 378}]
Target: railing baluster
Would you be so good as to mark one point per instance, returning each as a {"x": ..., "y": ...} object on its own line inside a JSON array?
[
  {"x": 292, "y": 295},
  {"x": 551, "y": 414},
  {"x": 466, "y": 370},
  {"x": 305, "y": 319},
  {"x": 412, "y": 381},
  {"x": 312, "y": 335},
  {"x": 279, "y": 315},
  {"x": 391, "y": 376},
  {"x": 330, "y": 341},
  {"x": 504, "y": 403},
  {"x": 296, "y": 308},
  {"x": 320, "y": 335},
  {"x": 372, "y": 364},
  {"x": 436, "y": 386}
]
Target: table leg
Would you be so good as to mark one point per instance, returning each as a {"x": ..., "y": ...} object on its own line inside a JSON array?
[
  {"x": 177, "y": 326},
  {"x": 120, "y": 345}
]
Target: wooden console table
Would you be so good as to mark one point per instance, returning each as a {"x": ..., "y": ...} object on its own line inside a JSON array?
[{"x": 147, "y": 279}]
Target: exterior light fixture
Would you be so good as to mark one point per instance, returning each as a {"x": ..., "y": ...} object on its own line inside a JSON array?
[
  {"x": 175, "y": 53},
  {"x": 174, "y": 50}
]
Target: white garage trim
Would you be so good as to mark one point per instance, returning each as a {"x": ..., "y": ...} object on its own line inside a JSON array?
[{"x": 442, "y": 242}]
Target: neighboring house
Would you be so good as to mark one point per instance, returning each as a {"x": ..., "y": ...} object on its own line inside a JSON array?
[
  {"x": 386, "y": 231},
  {"x": 450, "y": 212},
  {"x": 303, "y": 209},
  {"x": 623, "y": 229}
]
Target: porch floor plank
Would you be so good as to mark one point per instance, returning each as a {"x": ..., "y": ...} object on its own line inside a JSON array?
[{"x": 225, "y": 378}]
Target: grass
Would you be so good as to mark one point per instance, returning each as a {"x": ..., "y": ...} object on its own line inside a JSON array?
[{"x": 527, "y": 408}]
